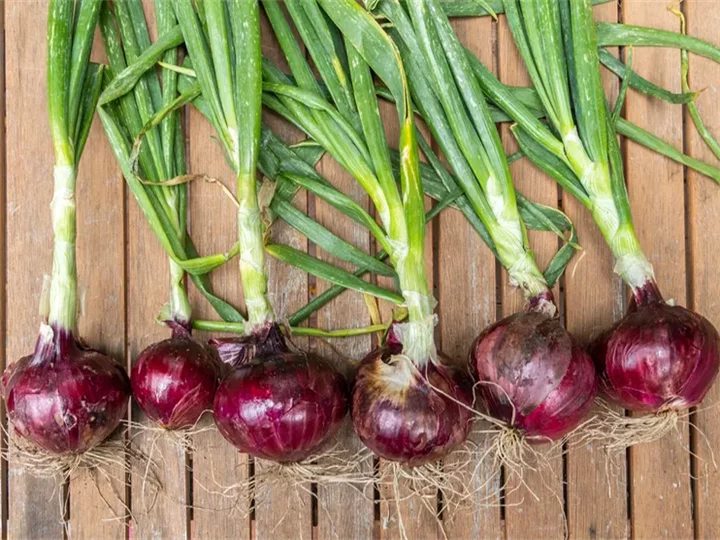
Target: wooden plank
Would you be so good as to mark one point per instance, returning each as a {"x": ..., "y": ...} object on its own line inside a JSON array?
[
  {"x": 467, "y": 304},
  {"x": 596, "y": 500},
  {"x": 3, "y": 278},
  {"x": 703, "y": 20},
  {"x": 34, "y": 509},
  {"x": 97, "y": 502},
  {"x": 418, "y": 520},
  {"x": 536, "y": 509},
  {"x": 163, "y": 514},
  {"x": 216, "y": 463},
  {"x": 659, "y": 472},
  {"x": 285, "y": 511},
  {"x": 346, "y": 311}
]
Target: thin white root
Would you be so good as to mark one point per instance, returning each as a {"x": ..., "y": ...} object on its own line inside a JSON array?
[
  {"x": 616, "y": 432},
  {"x": 110, "y": 461},
  {"x": 460, "y": 482},
  {"x": 178, "y": 438},
  {"x": 152, "y": 438},
  {"x": 334, "y": 465}
]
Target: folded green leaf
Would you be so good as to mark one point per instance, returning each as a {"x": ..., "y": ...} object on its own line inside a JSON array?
[
  {"x": 328, "y": 241},
  {"x": 91, "y": 92},
  {"x": 624, "y": 35},
  {"x": 641, "y": 84},
  {"x": 126, "y": 80},
  {"x": 328, "y": 272},
  {"x": 656, "y": 144},
  {"x": 481, "y": 8},
  {"x": 86, "y": 18}
]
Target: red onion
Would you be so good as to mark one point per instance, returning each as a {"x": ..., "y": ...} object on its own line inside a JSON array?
[
  {"x": 408, "y": 413},
  {"x": 65, "y": 398},
  {"x": 277, "y": 404},
  {"x": 532, "y": 374},
  {"x": 658, "y": 357},
  {"x": 174, "y": 381}
]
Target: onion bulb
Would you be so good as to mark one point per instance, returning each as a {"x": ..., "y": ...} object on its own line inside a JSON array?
[
  {"x": 532, "y": 375},
  {"x": 65, "y": 398},
  {"x": 277, "y": 404},
  {"x": 174, "y": 381},
  {"x": 409, "y": 413},
  {"x": 658, "y": 357}
]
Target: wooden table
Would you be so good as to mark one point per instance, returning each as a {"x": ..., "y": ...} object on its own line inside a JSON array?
[{"x": 663, "y": 490}]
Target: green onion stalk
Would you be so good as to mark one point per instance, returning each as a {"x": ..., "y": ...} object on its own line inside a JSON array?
[
  {"x": 305, "y": 397},
  {"x": 612, "y": 35},
  {"x": 409, "y": 405},
  {"x": 534, "y": 382},
  {"x": 65, "y": 399},
  {"x": 660, "y": 358},
  {"x": 174, "y": 380},
  {"x": 285, "y": 170}
]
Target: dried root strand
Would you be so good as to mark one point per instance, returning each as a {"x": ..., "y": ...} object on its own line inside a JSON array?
[
  {"x": 616, "y": 432},
  {"x": 331, "y": 466},
  {"x": 460, "y": 481},
  {"x": 177, "y": 438},
  {"x": 111, "y": 461},
  {"x": 152, "y": 438},
  {"x": 114, "y": 457}
]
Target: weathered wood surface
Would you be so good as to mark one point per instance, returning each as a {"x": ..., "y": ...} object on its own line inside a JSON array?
[{"x": 662, "y": 491}]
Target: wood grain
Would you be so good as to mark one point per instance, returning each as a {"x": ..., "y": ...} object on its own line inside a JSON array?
[
  {"x": 163, "y": 514},
  {"x": 3, "y": 277},
  {"x": 660, "y": 472},
  {"x": 346, "y": 311},
  {"x": 285, "y": 511},
  {"x": 97, "y": 502},
  {"x": 417, "y": 515},
  {"x": 535, "y": 509},
  {"x": 467, "y": 304},
  {"x": 216, "y": 464},
  {"x": 34, "y": 508},
  {"x": 125, "y": 273},
  {"x": 596, "y": 496},
  {"x": 703, "y": 203}
]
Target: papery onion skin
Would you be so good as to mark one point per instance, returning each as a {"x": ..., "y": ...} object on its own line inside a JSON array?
[
  {"x": 65, "y": 398},
  {"x": 658, "y": 357},
  {"x": 533, "y": 376},
  {"x": 403, "y": 413},
  {"x": 174, "y": 380},
  {"x": 276, "y": 404}
]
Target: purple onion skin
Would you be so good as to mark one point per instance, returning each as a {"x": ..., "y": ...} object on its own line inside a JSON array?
[
  {"x": 399, "y": 415},
  {"x": 64, "y": 397},
  {"x": 658, "y": 356},
  {"x": 276, "y": 404},
  {"x": 530, "y": 362},
  {"x": 174, "y": 381}
]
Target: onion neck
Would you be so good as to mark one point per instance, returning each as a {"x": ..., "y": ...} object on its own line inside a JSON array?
[
  {"x": 418, "y": 334},
  {"x": 521, "y": 265},
  {"x": 252, "y": 256},
  {"x": 630, "y": 262},
  {"x": 543, "y": 303},
  {"x": 63, "y": 284},
  {"x": 179, "y": 303},
  {"x": 180, "y": 309},
  {"x": 647, "y": 294}
]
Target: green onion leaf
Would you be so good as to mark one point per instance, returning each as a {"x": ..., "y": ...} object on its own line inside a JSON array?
[{"x": 329, "y": 272}]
